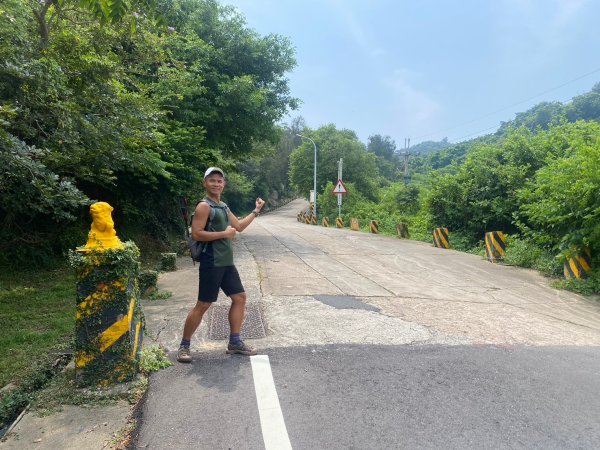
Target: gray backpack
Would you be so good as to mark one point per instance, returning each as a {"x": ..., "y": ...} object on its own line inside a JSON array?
[{"x": 197, "y": 247}]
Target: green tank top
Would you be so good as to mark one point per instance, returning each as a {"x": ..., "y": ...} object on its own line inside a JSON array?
[{"x": 217, "y": 253}]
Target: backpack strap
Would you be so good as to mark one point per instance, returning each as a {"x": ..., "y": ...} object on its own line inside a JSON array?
[{"x": 213, "y": 211}]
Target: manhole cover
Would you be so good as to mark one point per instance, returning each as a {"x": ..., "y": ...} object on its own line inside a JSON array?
[
  {"x": 252, "y": 328},
  {"x": 345, "y": 302}
]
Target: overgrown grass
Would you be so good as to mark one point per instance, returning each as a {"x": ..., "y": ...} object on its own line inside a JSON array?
[
  {"x": 522, "y": 253},
  {"x": 37, "y": 319},
  {"x": 37, "y": 314},
  {"x": 31, "y": 379},
  {"x": 584, "y": 286}
]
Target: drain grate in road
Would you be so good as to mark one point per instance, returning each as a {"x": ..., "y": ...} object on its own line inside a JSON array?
[
  {"x": 345, "y": 302},
  {"x": 253, "y": 327}
]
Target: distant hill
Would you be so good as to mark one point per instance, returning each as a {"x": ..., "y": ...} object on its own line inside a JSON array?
[
  {"x": 427, "y": 147},
  {"x": 438, "y": 155},
  {"x": 583, "y": 107}
]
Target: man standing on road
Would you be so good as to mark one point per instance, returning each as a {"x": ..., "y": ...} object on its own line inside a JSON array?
[{"x": 217, "y": 229}]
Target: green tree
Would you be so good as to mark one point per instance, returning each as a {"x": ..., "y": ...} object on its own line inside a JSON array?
[
  {"x": 382, "y": 146},
  {"x": 427, "y": 147},
  {"x": 401, "y": 198},
  {"x": 333, "y": 144},
  {"x": 480, "y": 197},
  {"x": 561, "y": 204},
  {"x": 387, "y": 161},
  {"x": 585, "y": 106},
  {"x": 541, "y": 116}
]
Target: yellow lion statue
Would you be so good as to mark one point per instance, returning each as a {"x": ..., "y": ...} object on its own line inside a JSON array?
[{"x": 102, "y": 234}]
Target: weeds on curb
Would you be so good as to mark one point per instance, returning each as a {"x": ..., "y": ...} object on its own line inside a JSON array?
[
  {"x": 160, "y": 295},
  {"x": 153, "y": 358}
]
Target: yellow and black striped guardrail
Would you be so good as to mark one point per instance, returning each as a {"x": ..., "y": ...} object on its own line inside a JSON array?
[
  {"x": 578, "y": 266},
  {"x": 495, "y": 245},
  {"x": 402, "y": 230},
  {"x": 354, "y": 226},
  {"x": 325, "y": 221},
  {"x": 374, "y": 227},
  {"x": 339, "y": 222},
  {"x": 440, "y": 238}
]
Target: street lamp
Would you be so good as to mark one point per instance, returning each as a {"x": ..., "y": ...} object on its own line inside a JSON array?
[{"x": 315, "y": 170}]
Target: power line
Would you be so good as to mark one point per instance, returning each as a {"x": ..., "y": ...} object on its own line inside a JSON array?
[
  {"x": 510, "y": 106},
  {"x": 495, "y": 126},
  {"x": 477, "y": 132}
]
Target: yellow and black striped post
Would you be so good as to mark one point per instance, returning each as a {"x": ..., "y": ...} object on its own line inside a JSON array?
[
  {"x": 579, "y": 266},
  {"x": 339, "y": 222},
  {"x": 307, "y": 218},
  {"x": 354, "y": 226},
  {"x": 402, "y": 230},
  {"x": 325, "y": 222},
  {"x": 374, "y": 227},
  {"x": 299, "y": 217},
  {"x": 313, "y": 219},
  {"x": 495, "y": 245},
  {"x": 440, "y": 238}
]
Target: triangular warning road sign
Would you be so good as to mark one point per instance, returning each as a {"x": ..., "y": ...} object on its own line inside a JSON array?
[{"x": 340, "y": 188}]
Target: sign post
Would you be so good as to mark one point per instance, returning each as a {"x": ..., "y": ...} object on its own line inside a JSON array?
[
  {"x": 339, "y": 196},
  {"x": 340, "y": 188}
]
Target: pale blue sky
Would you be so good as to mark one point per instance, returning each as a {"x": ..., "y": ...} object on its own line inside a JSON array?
[{"x": 431, "y": 69}]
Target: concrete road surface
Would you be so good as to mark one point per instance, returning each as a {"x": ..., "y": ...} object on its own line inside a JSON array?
[{"x": 376, "y": 342}]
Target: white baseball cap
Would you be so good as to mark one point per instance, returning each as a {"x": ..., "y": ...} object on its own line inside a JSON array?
[{"x": 213, "y": 170}]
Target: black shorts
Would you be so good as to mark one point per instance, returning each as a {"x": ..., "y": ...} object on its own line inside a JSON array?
[{"x": 214, "y": 278}]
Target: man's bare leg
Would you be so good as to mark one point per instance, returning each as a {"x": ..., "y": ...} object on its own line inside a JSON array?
[
  {"x": 236, "y": 319},
  {"x": 237, "y": 312},
  {"x": 192, "y": 322},
  {"x": 193, "y": 319}
]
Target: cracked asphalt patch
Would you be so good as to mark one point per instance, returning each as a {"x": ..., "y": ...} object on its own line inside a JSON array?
[{"x": 345, "y": 302}]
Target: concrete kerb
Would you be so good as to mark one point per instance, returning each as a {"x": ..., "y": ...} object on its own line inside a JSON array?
[{"x": 74, "y": 427}]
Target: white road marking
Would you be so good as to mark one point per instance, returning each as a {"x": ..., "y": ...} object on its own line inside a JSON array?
[{"x": 271, "y": 418}]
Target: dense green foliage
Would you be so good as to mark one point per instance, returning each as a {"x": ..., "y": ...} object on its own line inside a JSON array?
[{"x": 93, "y": 110}]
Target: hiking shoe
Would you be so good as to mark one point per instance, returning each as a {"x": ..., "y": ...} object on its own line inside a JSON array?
[
  {"x": 183, "y": 355},
  {"x": 241, "y": 349}
]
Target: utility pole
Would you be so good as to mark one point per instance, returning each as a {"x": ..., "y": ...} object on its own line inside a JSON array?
[{"x": 407, "y": 154}]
